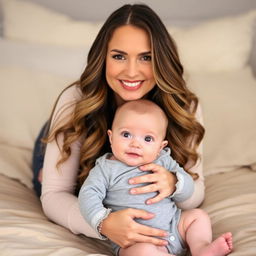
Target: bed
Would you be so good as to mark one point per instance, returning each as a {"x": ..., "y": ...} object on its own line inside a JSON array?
[{"x": 38, "y": 59}]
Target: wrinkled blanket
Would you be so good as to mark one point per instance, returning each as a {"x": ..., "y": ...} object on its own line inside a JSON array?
[{"x": 24, "y": 230}]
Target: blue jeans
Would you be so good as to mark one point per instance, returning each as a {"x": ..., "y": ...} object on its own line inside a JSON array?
[{"x": 38, "y": 158}]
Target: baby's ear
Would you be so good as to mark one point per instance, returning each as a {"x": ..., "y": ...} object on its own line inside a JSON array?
[
  {"x": 110, "y": 136},
  {"x": 164, "y": 144}
]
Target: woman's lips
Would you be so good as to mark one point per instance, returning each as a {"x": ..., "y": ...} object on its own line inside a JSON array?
[{"x": 131, "y": 85}]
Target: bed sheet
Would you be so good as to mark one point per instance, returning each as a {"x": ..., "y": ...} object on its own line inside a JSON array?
[{"x": 24, "y": 230}]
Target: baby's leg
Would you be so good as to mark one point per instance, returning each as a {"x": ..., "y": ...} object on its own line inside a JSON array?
[
  {"x": 144, "y": 249},
  {"x": 195, "y": 228}
]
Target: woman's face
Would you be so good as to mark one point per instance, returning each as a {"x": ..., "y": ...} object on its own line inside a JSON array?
[{"x": 128, "y": 64}]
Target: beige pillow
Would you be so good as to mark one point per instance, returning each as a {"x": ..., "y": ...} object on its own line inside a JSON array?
[
  {"x": 229, "y": 112},
  {"x": 15, "y": 162},
  {"x": 59, "y": 60},
  {"x": 31, "y": 22},
  {"x": 27, "y": 98},
  {"x": 222, "y": 44}
]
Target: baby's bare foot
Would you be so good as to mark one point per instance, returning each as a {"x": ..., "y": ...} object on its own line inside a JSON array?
[
  {"x": 222, "y": 246},
  {"x": 228, "y": 238}
]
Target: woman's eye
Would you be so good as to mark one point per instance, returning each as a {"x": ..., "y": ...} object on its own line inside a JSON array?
[
  {"x": 126, "y": 134},
  {"x": 118, "y": 57},
  {"x": 149, "y": 139},
  {"x": 146, "y": 58}
]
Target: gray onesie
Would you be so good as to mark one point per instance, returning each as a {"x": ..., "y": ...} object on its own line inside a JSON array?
[{"x": 107, "y": 189}]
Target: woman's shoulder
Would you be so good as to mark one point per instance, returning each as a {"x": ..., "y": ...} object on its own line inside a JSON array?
[
  {"x": 71, "y": 93},
  {"x": 66, "y": 102}
]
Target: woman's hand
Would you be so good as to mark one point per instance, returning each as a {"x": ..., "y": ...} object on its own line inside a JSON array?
[
  {"x": 121, "y": 228},
  {"x": 163, "y": 181}
]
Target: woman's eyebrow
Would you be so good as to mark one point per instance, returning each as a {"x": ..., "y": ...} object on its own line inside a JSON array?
[
  {"x": 125, "y": 53},
  {"x": 119, "y": 51}
]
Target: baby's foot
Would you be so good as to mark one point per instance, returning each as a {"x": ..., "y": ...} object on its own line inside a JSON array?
[{"x": 222, "y": 246}]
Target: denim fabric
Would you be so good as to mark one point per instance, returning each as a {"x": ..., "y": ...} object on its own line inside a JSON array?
[{"x": 38, "y": 158}]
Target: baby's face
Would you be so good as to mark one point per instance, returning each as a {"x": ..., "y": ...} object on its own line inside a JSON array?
[{"x": 137, "y": 138}]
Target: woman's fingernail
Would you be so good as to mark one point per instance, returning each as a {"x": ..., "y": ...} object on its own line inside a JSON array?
[
  {"x": 149, "y": 202},
  {"x": 131, "y": 181}
]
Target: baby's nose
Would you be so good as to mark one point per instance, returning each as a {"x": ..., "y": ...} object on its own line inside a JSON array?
[{"x": 135, "y": 143}]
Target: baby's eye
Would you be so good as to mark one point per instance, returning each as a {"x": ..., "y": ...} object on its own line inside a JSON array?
[
  {"x": 146, "y": 58},
  {"x": 126, "y": 134},
  {"x": 118, "y": 57},
  {"x": 149, "y": 138}
]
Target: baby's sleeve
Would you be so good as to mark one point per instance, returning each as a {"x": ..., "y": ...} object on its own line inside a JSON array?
[{"x": 91, "y": 197}]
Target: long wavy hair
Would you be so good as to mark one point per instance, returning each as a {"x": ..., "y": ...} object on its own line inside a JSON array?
[{"x": 93, "y": 113}]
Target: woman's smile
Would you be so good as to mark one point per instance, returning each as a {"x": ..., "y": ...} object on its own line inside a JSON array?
[{"x": 131, "y": 85}]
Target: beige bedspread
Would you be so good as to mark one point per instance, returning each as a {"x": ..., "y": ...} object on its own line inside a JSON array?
[
  {"x": 231, "y": 204},
  {"x": 24, "y": 230}
]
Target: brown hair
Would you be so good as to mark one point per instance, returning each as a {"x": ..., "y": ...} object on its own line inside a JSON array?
[{"x": 93, "y": 114}]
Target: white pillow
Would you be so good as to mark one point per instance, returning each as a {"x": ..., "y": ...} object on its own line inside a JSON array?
[
  {"x": 31, "y": 22},
  {"x": 58, "y": 60},
  {"x": 222, "y": 44},
  {"x": 228, "y": 103}
]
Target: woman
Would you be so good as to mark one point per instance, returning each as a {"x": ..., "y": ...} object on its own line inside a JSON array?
[{"x": 132, "y": 57}]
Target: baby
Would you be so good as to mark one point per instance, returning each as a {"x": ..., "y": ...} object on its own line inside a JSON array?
[{"x": 137, "y": 138}]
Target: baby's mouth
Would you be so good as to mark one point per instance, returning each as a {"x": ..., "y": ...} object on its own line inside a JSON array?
[{"x": 133, "y": 154}]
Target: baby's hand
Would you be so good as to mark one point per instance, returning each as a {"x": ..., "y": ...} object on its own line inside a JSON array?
[{"x": 161, "y": 180}]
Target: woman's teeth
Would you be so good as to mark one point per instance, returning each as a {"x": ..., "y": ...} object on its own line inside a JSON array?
[{"x": 131, "y": 84}]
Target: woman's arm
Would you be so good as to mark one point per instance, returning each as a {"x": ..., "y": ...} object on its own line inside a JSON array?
[
  {"x": 198, "y": 196},
  {"x": 58, "y": 200}
]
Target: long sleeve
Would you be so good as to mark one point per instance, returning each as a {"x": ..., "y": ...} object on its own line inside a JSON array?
[
  {"x": 58, "y": 200},
  {"x": 91, "y": 197},
  {"x": 199, "y": 188},
  {"x": 184, "y": 185}
]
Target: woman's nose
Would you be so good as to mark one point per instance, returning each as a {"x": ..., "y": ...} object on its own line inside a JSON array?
[{"x": 132, "y": 68}]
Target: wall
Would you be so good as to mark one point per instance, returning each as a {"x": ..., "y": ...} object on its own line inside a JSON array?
[{"x": 167, "y": 9}]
